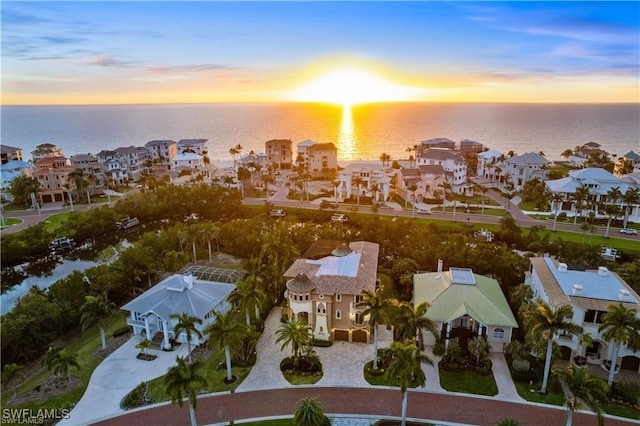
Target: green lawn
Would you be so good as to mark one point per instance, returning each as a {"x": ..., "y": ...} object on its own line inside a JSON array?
[
  {"x": 622, "y": 411},
  {"x": 468, "y": 382},
  {"x": 54, "y": 221},
  {"x": 14, "y": 207},
  {"x": 10, "y": 221},
  {"x": 526, "y": 392},
  {"x": 273, "y": 422}
]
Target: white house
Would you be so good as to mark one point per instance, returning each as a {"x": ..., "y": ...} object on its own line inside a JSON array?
[
  {"x": 521, "y": 169},
  {"x": 10, "y": 170},
  {"x": 465, "y": 305},
  {"x": 630, "y": 160},
  {"x": 188, "y": 161},
  {"x": 582, "y": 154},
  {"x": 151, "y": 311},
  {"x": 370, "y": 174},
  {"x": 598, "y": 182},
  {"x": 124, "y": 162},
  {"x": 589, "y": 292},
  {"x": 453, "y": 164},
  {"x": 195, "y": 146},
  {"x": 486, "y": 163}
]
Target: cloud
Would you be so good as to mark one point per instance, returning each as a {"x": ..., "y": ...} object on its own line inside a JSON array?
[
  {"x": 166, "y": 69},
  {"x": 107, "y": 61}
]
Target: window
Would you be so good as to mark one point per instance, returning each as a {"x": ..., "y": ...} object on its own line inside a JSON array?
[
  {"x": 594, "y": 317},
  {"x": 359, "y": 318},
  {"x": 338, "y": 314},
  {"x": 498, "y": 333},
  {"x": 321, "y": 309},
  {"x": 358, "y": 298},
  {"x": 564, "y": 334},
  {"x": 338, "y": 297}
]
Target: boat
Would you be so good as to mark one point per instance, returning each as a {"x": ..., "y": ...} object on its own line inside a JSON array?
[
  {"x": 62, "y": 243},
  {"x": 128, "y": 222}
]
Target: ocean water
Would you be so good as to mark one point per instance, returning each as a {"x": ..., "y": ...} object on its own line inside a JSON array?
[{"x": 360, "y": 132}]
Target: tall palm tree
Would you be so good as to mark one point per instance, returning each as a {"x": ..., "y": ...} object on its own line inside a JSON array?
[
  {"x": 611, "y": 209},
  {"x": 358, "y": 181},
  {"x": 294, "y": 333},
  {"x": 188, "y": 325},
  {"x": 543, "y": 319},
  {"x": 223, "y": 332},
  {"x": 580, "y": 196},
  {"x": 385, "y": 158},
  {"x": 376, "y": 307},
  {"x": 411, "y": 322},
  {"x": 309, "y": 413},
  {"x": 630, "y": 197},
  {"x": 556, "y": 199},
  {"x": 406, "y": 368},
  {"x": 581, "y": 384},
  {"x": 95, "y": 310},
  {"x": 182, "y": 380},
  {"x": 413, "y": 188},
  {"x": 566, "y": 153},
  {"x": 247, "y": 296},
  {"x": 621, "y": 326}
]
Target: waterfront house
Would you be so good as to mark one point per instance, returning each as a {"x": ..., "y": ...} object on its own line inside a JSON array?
[
  {"x": 162, "y": 153},
  {"x": 435, "y": 143},
  {"x": 589, "y": 292},
  {"x": 45, "y": 150},
  {"x": 627, "y": 164},
  {"x": 194, "y": 146},
  {"x": 326, "y": 284},
  {"x": 583, "y": 154},
  {"x": 469, "y": 147},
  {"x": 92, "y": 171},
  {"x": 198, "y": 292},
  {"x": 465, "y": 305},
  {"x": 9, "y": 171},
  {"x": 486, "y": 164},
  {"x": 279, "y": 153},
  {"x": 188, "y": 161},
  {"x": 521, "y": 169},
  {"x": 428, "y": 181}
]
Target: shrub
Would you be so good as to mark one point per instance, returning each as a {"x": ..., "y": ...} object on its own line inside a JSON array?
[
  {"x": 629, "y": 393},
  {"x": 121, "y": 331},
  {"x": 135, "y": 398},
  {"x": 521, "y": 365},
  {"x": 321, "y": 343}
]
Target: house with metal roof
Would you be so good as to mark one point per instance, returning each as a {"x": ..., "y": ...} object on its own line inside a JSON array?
[
  {"x": 465, "y": 305},
  {"x": 454, "y": 165},
  {"x": 589, "y": 292},
  {"x": 372, "y": 176},
  {"x": 193, "y": 293},
  {"x": 9, "y": 171},
  {"x": 521, "y": 169},
  {"x": 627, "y": 164},
  {"x": 10, "y": 153},
  {"x": 325, "y": 286}
]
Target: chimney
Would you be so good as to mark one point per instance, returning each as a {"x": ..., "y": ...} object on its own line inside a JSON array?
[
  {"x": 603, "y": 271},
  {"x": 623, "y": 294},
  {"x": 439, "y": 265},
  {"x": 577, "y": 290},
  {"x": 188, "y": 281}
]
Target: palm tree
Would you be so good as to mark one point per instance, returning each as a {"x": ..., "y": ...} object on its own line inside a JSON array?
[
  {"x": 478, "y": 347},
  {"x": 309, "y": 413},
  {"x": 144, "y": 345},
  {"x": 630, "y": 197},
  {"x": 566, "y": 154},
  {"x": 246, "y": 296},
  {"x": 483, "y": 190},
  {"x": 188, "y": 325},
  {"x": 406, "y": 368},
  {"x": 621, "y": 326},
  {"x": 585, "y": 339},
  {"x": 95, "y": 310},
  {"x": 413, "y": 188},
  {"x": 411, "y": 322},
  {"x": 613, "y": 195},
  {"x": 580, "y": 196},
  {"x": 358, "y": 181},
  {"x": 581, "y": 384},
  {"x": 294, "y": 333},
  {"x": 385, "y": 158},
  {"x": 10, "y": 372},
  {"x": 183, "y": 380},
  {"x": 375, "y": 306},
  {"x": 556, "y": 199},
  {"x": 62, "y": 362},
  {"x": 544, "y": 319},
  {"x": 223, "y": 332}
]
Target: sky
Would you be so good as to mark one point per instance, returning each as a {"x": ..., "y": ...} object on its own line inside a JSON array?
[{"x": 118, "y": 52}]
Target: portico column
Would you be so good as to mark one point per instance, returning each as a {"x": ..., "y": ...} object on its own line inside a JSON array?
[
  {"x": 479, "y": 329},
  {"x": 165, "y": 332},
  {"x": 446, "y": 335},
  {"x": 146, "y": 327}
]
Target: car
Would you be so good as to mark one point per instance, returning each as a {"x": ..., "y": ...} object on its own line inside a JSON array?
[
  {"x": 629, "y": 231},
  {"x": 339, "y": 218},
  {"x": 423, "y": 211},
  {"x": 277, "y": 213}
]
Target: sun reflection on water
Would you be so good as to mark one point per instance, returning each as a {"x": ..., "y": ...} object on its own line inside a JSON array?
[{"x": 346, "y": 137}]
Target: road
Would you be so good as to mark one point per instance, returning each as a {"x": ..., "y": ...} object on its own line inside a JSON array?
[{"x": 383, "y": 402}]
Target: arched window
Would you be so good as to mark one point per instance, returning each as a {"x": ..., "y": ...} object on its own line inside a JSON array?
[
  {"x": 338, "y": 314},
  {"x": 498, "y": 333},
  {"x": 321, "y": 308}
]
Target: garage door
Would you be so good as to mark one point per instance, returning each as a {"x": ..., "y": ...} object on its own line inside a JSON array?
[
  {"x": 630, "y": 363},
  {"x": 46, "y": 198},
  {"x": 359, "y": 336},
  {"x": 342, "y": 335}
]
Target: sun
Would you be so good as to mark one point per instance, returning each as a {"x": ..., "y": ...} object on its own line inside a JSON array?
[{"x": 350, "y": 86}]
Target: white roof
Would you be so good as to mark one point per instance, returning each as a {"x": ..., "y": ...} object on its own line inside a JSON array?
[
  {"x": 492, "y": 153},
  {"x": 175, "y": 295},
  {"x": 187, "y": 156},
  {"x": 306, "y": 142},
  {"x": 527, "y": 159},
  {"x": 343, "y": 266},
  {"x": 601, "y": 181},
  {"x": 594, "y": 284}
]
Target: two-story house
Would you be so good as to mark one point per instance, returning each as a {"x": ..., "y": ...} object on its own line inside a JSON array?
[
  {"x": 521, "y": 169},
  {"x": 325, "y": 286},
  {"x": 373, "y": 181},
  {"x": 53, "y": 175},
  {"x": 420, "y": 183},
  {"x": 589, "y": 292},
  {"x": 454, "y": 165}
]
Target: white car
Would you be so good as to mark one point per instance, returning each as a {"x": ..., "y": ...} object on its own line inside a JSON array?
[
  {"x": 278, "y": 213},
  {"x": 339, "y": 218},
  {"x": 629, "y": 231},
  {"x": 423, "y": 211}
]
